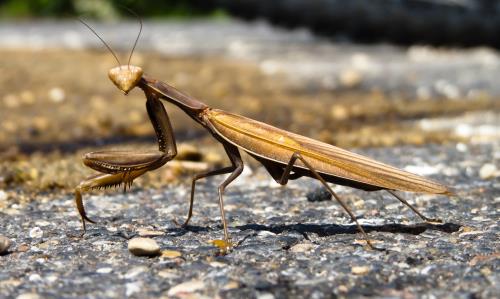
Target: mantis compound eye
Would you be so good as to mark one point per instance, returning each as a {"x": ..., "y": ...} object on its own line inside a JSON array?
[{"x": 125, "y": 77}]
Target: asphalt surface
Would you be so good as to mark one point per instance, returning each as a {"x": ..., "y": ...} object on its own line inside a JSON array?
[{"x": 288, "y": 246}]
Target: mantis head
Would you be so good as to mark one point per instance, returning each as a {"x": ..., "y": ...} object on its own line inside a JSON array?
[{"x": 125, "y": 77}]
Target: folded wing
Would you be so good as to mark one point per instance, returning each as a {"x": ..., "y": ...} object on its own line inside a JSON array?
[{"x": 278, "y": 145}]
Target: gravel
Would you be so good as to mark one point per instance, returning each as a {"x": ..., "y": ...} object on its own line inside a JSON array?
[
  {"x": 287, "y": 245},
  {"x": 4, "y": 244},
  {"x": 143, "y": 247}
]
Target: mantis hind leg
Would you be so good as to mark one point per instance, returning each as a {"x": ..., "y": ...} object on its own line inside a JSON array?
[
  {"x": 426, "y": 219},
  {"x": 102, "y": 181},
  {"x": 285, "y": 176}
]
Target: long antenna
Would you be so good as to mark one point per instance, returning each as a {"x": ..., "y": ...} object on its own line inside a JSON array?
[
  {"x": 138, "y": 35},
  {"x": 107, "y": 46}
]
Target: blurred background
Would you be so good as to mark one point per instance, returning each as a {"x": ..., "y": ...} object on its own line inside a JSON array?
[{"x": 356, "y": 74}]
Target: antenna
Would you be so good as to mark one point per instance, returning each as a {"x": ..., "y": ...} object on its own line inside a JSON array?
[
  {"x": 138, "y": 35},
  {"x": 107, "y": 46}
]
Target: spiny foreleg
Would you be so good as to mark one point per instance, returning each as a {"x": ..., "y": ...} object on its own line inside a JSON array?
[{"x": 102, "y": 181}]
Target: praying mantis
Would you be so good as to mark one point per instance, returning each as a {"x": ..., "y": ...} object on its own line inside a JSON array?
[{"x": 285, "y": 155}]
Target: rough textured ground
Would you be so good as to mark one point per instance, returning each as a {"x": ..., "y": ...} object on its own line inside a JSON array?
[
  {"x": 288, "y": 246},
  {"x": 440, "y": 120}
]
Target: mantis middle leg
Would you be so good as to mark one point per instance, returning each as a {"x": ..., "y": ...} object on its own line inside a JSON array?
[{"x": 235, "y": 169}]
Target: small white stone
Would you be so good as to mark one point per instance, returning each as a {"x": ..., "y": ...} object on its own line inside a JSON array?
[
  {"x": 42, "y": 223},
  {"x": 266, "y": 233},
  {"x": 427, "y": 270},
  {"x": 186, "y": 287},
  {"x": 488, "y": 171},
  {"x": 105, "y": 270},
  {"x": 57, "y": 95},
  {"x": 144, "y": 232},
  {"x": 143, "y": 247},
  {"x": 167, "y": 274},
  {"x": 360, "y": 270},
  {"x": 133, "y": 288},
  {"x": 28, "y": 296},
  {"x": 265, "y": 296},
  {"x": 35, "y": 277},
  {"x": 135, "y": 272},
  {"x": 470, "y": 233},
  {"x": 302, "y": 247},
  {"x": 4, "y": 244},
  {"x": 270, "y": 67},
  {"x": 51, "y": 278},
  {"x": 350, "y": 78},
  {"x": 36, "y": 232},
  {"x": 112, "y": 229},
  {"x": 218, "y": 264},
  {"x": 461, "y": 147},
  {"x": 3, "y": 195}
]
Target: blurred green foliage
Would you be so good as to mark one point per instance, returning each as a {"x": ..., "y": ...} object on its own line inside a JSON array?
[{"x": 106, "y": 9}]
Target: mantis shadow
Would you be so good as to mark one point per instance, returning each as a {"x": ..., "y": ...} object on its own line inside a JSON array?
[{"x": 324, "y": 230}]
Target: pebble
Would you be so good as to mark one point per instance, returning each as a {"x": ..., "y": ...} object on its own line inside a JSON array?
[
  {"x": 360, "y": 270},
  {"x": 28, "y": 296},
  {"x": 149, "y": 233},
  {"x": 186, "y": 287},
  {"x": 23, "y": 248},
  {"x": 3, "y": 195},
  {"x": 27, "y": 97},
  {"x": 167, "y": 274},
  {"x": 302, "y": 247},
  {"x": 133, "y": 288},
  {"x": 231, "y": 285},
  {"x": 143, "y": 247},
  {"x": 265, "y": 296},
  {"x": 170, "y": 254},
  {"x": 135, "y": 271},
  {"x": 350, "y": 78},
  {"x": 4, "y": 244},
  {"x": 11, "y": 101},
  {"x": 339, "y": 112},
  {"x": 106, "y": 270},
  {"x": 213, "y": 158},
  {"x": 484, "y": 258},
  {"x": 470, "y": 233},
  {"x": 57, "y": 95},
  {"x": 36, "y": 232},
  {"x": 488, "y": 171},
  {"x": 35, "y": 277},
  {"x": 188, "y": 152},
  {"x": 319, "y": 194}
]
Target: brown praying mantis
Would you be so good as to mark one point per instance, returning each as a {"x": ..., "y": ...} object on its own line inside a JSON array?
[{"x": 285, "y": 155}]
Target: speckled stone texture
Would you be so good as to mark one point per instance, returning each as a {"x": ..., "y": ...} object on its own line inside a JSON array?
[{"x": 287, "y": 245}]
